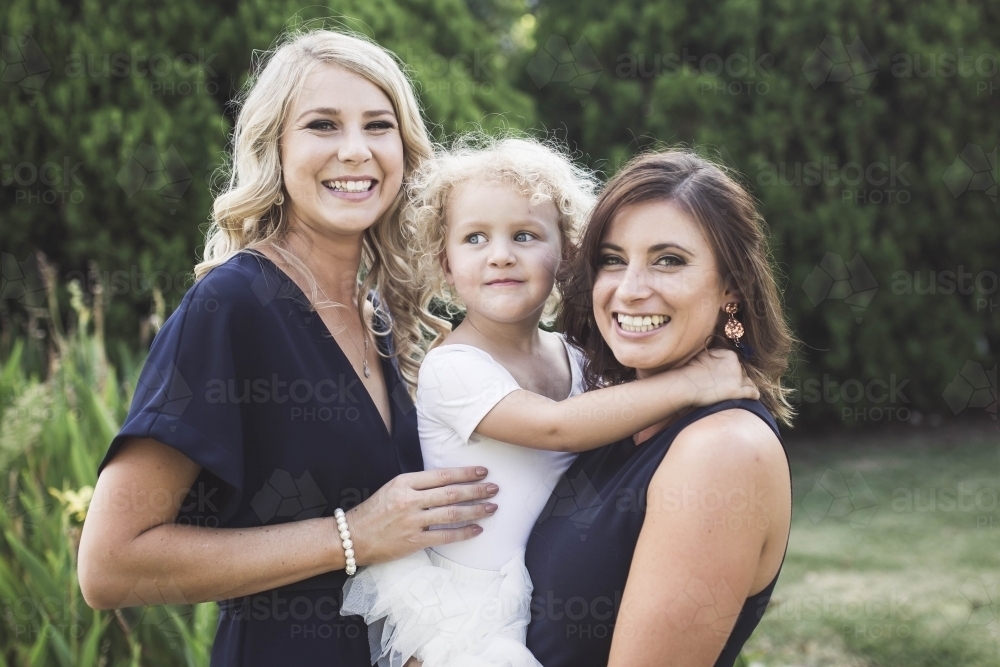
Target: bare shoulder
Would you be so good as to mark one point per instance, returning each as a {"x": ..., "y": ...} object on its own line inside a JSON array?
[{"x": 731, "y": 443}]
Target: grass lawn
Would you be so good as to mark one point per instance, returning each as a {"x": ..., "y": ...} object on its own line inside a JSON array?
[{"x": 894, "y": 557}]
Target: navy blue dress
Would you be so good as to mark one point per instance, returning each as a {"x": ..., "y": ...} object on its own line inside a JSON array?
[
  {"x": 246, "y": 381},
  {"x": 580, "y": 550}
]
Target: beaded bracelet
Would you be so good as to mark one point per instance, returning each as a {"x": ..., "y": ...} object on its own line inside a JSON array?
[{"x": 345, "y": 536}]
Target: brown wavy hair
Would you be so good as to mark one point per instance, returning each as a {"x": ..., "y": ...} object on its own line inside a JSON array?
[{"x": 728, "y": 216}]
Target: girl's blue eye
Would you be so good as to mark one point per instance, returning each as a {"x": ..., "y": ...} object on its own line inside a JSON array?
[
  {"x": 609, "y": 260},
  {"x": 381, "y": 125},
  {"x": 320, "y": 125},
  {"x": 473, "y": 238},
  {"x": 523, "y": 236}
]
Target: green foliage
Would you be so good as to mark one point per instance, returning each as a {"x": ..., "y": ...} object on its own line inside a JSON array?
[
  {"x": 114, "y": 116},
  {"x": 741, "y": 80},
  {"x": 53, "y": 434}
]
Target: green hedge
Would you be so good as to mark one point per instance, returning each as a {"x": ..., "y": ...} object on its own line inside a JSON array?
[
  {"x": 114, "y": 116},
  {"x": 869, "y": 134}
]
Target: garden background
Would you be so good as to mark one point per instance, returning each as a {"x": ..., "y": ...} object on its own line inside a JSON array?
[{"x": 868, "y": 131}]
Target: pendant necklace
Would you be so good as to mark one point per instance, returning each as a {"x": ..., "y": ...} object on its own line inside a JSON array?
[{"x": 364, "y": 357}]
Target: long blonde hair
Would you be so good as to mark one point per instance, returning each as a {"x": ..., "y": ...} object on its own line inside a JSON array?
[
  {"x": 541, "y": 171},
  {"x": 250, "y": 210}
]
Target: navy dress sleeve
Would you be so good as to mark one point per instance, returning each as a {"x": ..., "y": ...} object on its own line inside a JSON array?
[
  {"x": 246, "y": 380},
  {"x": 180, "y": 401}
]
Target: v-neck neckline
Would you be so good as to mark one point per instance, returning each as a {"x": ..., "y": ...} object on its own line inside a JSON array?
[{"x": 326, "y": 332}]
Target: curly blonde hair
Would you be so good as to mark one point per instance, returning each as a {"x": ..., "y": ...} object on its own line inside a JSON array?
[
  {"x": 542, "y": 171},
  {"x": 250, "y": 210}
]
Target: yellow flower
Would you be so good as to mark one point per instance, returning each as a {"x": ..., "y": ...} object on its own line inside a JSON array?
[{"x": 75, "y": 503}]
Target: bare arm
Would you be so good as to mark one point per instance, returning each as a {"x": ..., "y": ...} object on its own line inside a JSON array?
[
  {"x": 132, "y": 552},
  {"x": 597, "y": 418},
  {"x": 698, "y": 560}
]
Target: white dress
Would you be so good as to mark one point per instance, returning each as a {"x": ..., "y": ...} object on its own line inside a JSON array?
[{"x": 465, "y": 604}]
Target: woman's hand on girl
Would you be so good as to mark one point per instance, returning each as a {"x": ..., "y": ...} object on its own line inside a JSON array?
[{"x": 394, "y": 522}]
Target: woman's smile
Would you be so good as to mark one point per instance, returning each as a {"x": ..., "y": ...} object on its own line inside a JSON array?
[
  {"x": 352, "y": 188},
  {"x": 655, "y": 260},
  {"x": 639, "y": 324},
  {"x": 341, "y": 153}
]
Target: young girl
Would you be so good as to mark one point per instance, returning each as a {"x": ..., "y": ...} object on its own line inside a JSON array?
[{"x": 493, "y": 224}]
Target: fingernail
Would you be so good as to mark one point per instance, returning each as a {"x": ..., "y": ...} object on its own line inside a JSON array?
[
  {"x": 491, "y": 508},
  {"x": 481, "y": 472},
  {"x": 492, "y": 488},
  {"x": 476, "y": 530}
]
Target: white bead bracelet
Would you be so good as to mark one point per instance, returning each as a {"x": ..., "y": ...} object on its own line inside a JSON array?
[{"x": 345, "y": 536}]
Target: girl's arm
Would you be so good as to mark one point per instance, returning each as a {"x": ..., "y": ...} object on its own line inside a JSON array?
[
  {"x": 697, "y": 561},
  {"x": 597, "y": 418}
]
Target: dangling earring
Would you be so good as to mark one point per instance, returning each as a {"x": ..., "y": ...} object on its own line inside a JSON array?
[
  {"x": 280, "y": 198},
  {"x": 734, "y": 329}
]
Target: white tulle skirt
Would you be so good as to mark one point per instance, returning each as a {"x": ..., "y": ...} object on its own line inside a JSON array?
[{"x": 443, "y": 613}]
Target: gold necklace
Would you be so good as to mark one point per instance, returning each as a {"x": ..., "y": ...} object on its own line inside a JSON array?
[{"x": 364, "y": 357}]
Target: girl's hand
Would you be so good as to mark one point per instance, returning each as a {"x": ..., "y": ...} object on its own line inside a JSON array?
[
  {"x": 393, "y": 523},
  {"x": 718, "y": 376}
]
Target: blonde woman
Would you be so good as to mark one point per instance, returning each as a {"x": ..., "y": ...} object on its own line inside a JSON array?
[{"x": 277, "y": 393}]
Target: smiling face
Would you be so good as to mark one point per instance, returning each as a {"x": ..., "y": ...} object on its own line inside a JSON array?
[
  {"x": 501, "y": 252},
  {"x": 655, "y": 263},
  {"x": 341, "y": 153}
]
